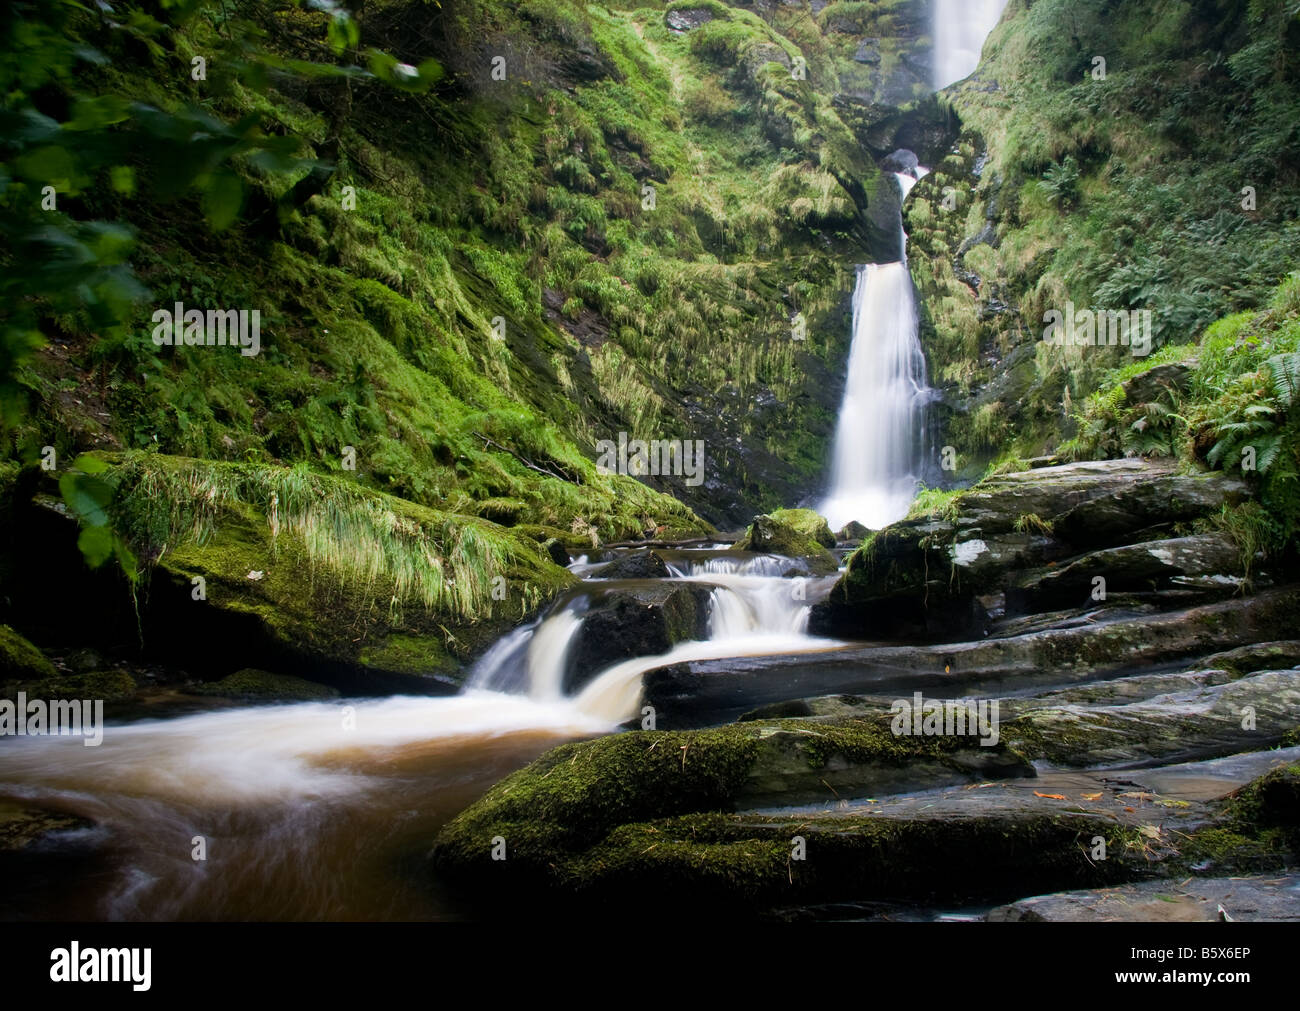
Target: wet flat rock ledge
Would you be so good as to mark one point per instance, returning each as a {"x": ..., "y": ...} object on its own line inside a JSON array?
[{"x": 1260, "y": 898}]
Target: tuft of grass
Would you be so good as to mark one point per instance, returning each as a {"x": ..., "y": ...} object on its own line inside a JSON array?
[
  {"x": 1033, "y": 523},
  {"x": 372, "y": 543},
  {"x": 935, "y": 503}
]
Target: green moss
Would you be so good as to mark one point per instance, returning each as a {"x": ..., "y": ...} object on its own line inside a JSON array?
[
  {"x": 252, "y": 684},
  {"x": 1258, "y": 830},
  {"x": 410, "y": 654},
  {"x": 19, "y": 659},
  {"x": 108, "y": 686},
  {"x": 807, "y": 522}
]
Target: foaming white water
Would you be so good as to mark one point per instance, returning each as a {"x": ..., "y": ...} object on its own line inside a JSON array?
[
  {"x": 615, "y": 696},
  {"x": 746, "y": 607},
  {"x": 959, "y": 29},
  {"x": 531, "y": 659},
  {"x": 274, "y": 753},
  {"x": 750, "y": 615},
  {"x": 760, "y": 565},
  {"x": 875, "y": 463},
  {"x": 753, "y": 611},
  {"x": 547, "y": 654}
]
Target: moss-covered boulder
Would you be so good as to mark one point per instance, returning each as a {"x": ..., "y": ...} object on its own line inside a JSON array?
[
  {"x": 109, "y": 686},
  {"x": 1018, "y": 542},
  {"x": 853, "y": 531},
  {"x": 602, "y": 820},
  {"x": 255, "y": 685},
  {"x": 807, "y": 522},
  {"x": 769, "y": 535},
  {"x": 20, "y": 660}
]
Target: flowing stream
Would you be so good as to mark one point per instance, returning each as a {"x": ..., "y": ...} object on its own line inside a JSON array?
[{"x": 327, "y": 809}]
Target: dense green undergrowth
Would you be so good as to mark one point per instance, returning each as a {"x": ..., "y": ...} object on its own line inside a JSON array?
[
  {"x": 1231, "y": 401},
  {"x": 465, "y": 282},
  {"x": 1168, "y": 183}
]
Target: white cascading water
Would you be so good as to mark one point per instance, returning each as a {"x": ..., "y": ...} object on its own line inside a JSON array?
[
  {"x": 754, "y": 611},
  {"x": 959, "y": 30},
  {"x": 875, "y": 464}
]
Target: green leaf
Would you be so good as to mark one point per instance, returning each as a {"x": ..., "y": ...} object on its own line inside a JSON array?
[
  {"x": 96, "y": 544},
  {"x": 88, "y": 497},
  {"x": 89, "y": 464},
  {"x": 222, "y": 198}
]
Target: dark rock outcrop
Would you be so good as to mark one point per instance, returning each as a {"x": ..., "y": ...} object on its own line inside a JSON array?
[
  {"x": 1039, "y": 539},
  {"x": 627, "y": 623},
  {"x": 641, "y": 565}
]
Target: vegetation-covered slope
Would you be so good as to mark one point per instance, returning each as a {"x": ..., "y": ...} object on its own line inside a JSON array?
[
  {"x": 1120, "y": 156},
  {"x": 481, "y": 238},
  {"x": 621, "y": 234}
]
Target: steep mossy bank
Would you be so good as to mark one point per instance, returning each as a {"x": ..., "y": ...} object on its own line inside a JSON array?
[
  {"x": 1114, "y": 157},
  {"x": 469, "y": 273},
  {"x": 232, "y": 565}
]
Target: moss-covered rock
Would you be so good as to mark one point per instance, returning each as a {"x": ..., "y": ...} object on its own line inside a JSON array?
[
  {"x": 853, "y": 531},
  {"x": 110, "y": 686},
  {"x": 768, "y": 535},
  {"x": 20, "y": 660},
  {"x": 253, "y": 685},
  {"x": 601, "y": 820},
  {"x": 807, "y": 522},
  {"x": 1023, "y": 541}
]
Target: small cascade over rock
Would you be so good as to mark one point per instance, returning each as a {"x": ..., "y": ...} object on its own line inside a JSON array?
[{"x": 753, "y": 609}]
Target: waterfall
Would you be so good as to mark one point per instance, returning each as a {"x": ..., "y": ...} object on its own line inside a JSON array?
[
  {"x": 959, "y": 29},
  {"x": 876, "y": 460}
]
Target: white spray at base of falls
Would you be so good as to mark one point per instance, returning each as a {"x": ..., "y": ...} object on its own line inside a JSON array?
[
  {"x": 959, "y": 30},
  {"x": 876, "y": 461}
]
